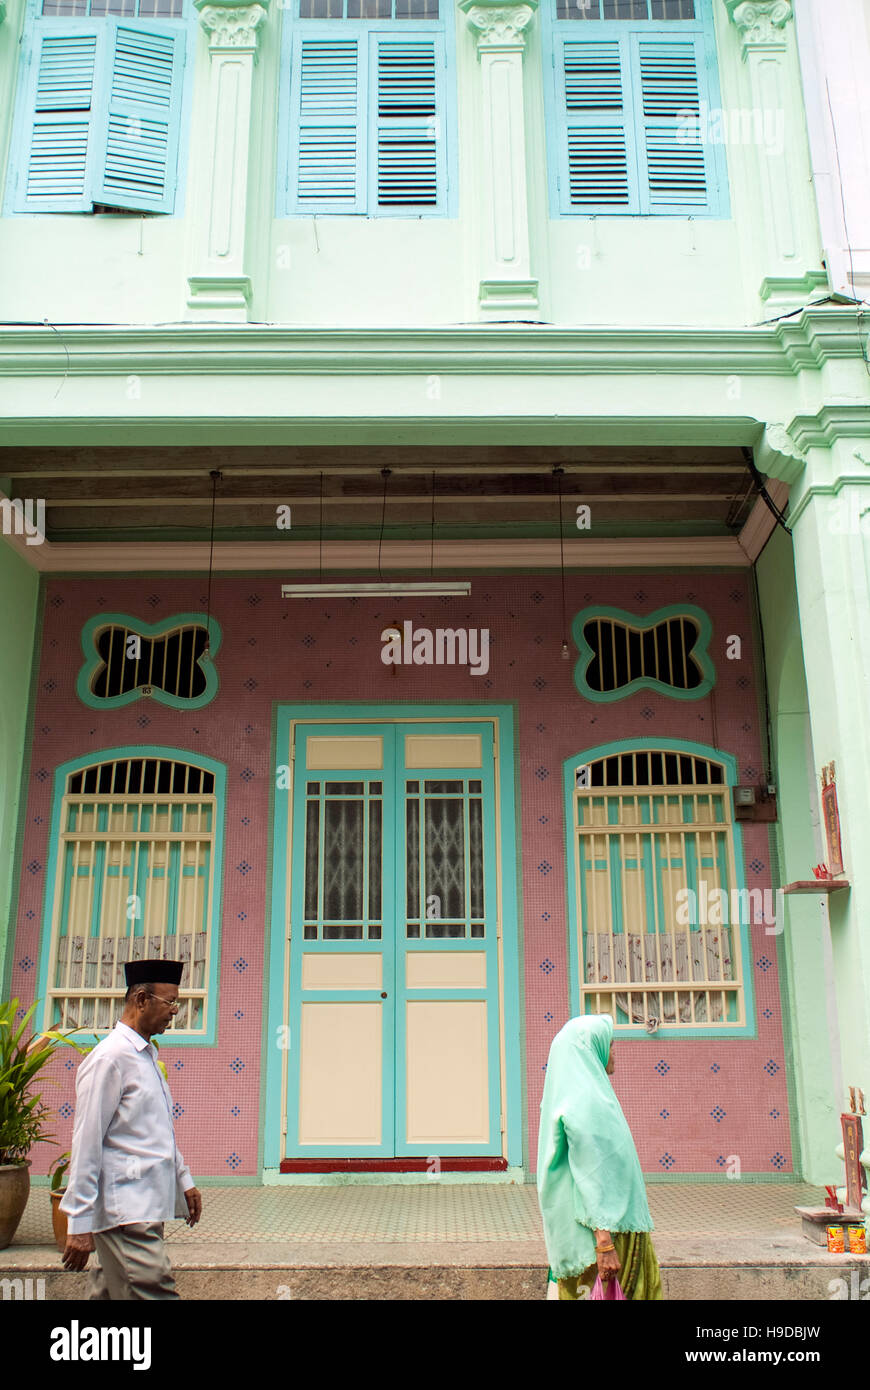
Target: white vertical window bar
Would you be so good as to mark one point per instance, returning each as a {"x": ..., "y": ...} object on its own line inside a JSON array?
[
  {"x": 127, "y": 634},
  {"x": 104, "y": 928},
  {"x": 72, "y": 915}
]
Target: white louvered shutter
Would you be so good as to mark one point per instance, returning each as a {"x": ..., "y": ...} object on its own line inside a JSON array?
[
  {"x": 54, "y": 174},
  {"x": 329, "y": 83},
  {"x": 598, "y": 165},
  {"x": 675, "y": 167},
  {"x": 406, "y": 165},
  {"x": 141, "y": 118}
]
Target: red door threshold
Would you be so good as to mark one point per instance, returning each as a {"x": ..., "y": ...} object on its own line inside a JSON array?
[{"x": 392, "y": 1165}]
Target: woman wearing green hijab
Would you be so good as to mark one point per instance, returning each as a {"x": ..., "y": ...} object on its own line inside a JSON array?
[{"x": 590, "y": 1186}]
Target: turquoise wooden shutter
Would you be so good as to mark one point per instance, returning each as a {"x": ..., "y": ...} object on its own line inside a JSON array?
[
  {"x": 141, "y": 118},
  {"x": 676, "y": 171},
  {"x": 328, "y": 133},
  {"x": 54, "y": 173},
  {"x": 598, "y": 171},
  {"x": 406, "y": 165}
]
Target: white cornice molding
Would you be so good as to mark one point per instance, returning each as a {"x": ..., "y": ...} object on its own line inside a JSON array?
[
  {"x": 809, "y": 339},
  {"x": 361, "y": 557},
  {"x": 829, "y": 424}
]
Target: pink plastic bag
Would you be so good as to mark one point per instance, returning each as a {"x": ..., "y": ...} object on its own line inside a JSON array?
[{"x": 611, "y": 1292}]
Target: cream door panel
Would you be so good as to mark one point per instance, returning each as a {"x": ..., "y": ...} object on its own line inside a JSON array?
[
  {"x": 445, "y": 970},
  {"x": 439, "y": 750},
  {"x": 340, "y": 971},
  {"x": 447, "y": 1091},
  {"x": 341, "y": 1078},
  {"x": 324, "y": 753}
]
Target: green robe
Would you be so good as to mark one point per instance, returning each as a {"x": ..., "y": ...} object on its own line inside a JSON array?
[{"x": 589, "y": 1175}]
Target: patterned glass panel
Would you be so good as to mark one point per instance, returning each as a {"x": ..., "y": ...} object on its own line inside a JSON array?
[
  {"x": 412, "y": 858},
  {"x": 475, "y": 846},
  {"x": 343, "y": 888},
  {"x": 312, "y": 841},
  {"x": 343, "y": 868},
  {"x": 444, "y": 848}
]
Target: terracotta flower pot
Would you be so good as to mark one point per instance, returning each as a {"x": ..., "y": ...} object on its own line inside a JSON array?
[
  {"x": 14, "y": 1191},
  {"x": 58, "y": 1219}
]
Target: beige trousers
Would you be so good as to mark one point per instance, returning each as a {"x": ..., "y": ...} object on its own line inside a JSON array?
[{"x": 133, "y": 1264}]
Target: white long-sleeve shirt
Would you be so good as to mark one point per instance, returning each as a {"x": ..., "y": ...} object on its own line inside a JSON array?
[{"x": 125, "y": 1166}]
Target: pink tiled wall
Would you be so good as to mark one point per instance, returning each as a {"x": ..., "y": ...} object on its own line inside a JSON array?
[{"x": 315, "y": 650}]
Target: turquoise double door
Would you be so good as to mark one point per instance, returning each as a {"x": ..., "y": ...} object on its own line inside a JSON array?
[{"x": 394, "y": 950}]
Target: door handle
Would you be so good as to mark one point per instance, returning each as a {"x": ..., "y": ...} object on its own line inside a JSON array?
[{"x": 384, "y": 994}]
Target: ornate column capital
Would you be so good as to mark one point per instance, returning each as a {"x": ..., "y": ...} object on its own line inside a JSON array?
[
  {"x": 499, "y": 26},
  {"x": 231, "y": 24},
  {"x": 760, "y": 21}
]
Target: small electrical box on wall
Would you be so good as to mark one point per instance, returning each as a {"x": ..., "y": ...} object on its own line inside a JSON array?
[{"x": 755, "y": 803}]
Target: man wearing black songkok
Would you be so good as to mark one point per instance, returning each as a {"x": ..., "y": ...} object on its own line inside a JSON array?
[{"x": 126, "y": 1176}]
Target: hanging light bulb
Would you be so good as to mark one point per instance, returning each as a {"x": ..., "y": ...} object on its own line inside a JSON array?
[{"x": 566, "y": 655}]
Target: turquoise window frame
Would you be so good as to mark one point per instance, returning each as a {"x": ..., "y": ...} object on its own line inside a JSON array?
[
  {"x": 554, "y": 31},
  {"x": 93, "y": 660},
  {"x": 15, "y": 171},
  {"x": 294, "y": 29},
  {"x": 700, "y": 652},
  {"x": 53, "y": 885},
  {"x": 728, "y": 762},
  {"x": 503, "y": 718}
]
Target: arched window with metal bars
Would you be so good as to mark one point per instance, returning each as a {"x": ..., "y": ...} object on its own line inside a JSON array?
[
  {"x": 656, "y": 895},
  {"x": 137, "y": 850}
]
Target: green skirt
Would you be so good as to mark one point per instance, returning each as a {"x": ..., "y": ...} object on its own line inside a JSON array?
[{"x": 639, "y": 1275}]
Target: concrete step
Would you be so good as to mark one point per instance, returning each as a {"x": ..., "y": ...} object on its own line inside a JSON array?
[{"x": 234, "y": 1273}]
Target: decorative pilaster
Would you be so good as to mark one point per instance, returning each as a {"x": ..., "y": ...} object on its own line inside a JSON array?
[
  {"x": 506, "y": 286},
  {"x": 829, "y": 514},
  {"x": 220, "y": 289},
  {"x": 778, "y": 151}
]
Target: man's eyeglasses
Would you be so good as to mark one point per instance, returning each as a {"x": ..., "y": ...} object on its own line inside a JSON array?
[{"x": 172, "y": 1004}]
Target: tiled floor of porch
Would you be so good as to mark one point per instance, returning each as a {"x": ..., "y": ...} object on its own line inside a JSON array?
[{"x": 710, "y": 1238}]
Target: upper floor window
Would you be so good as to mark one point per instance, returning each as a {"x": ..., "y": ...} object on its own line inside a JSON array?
[
  {"x": 98, "y": 112},
  {"x": 364, "y": 123},
  {"x": 631, "y": 85},
  {"x": 368, "y": 9},
  {"x": 122, "y": 9},
  {"x": 625, "y": 9}
]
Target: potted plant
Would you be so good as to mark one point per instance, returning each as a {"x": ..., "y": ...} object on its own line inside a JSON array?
[
  {"x": 57, "y": 1190},
  {"x": 23, "y": 1112}
]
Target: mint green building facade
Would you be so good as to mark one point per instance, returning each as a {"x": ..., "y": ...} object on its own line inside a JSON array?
[{"x": 475, "y": 225}]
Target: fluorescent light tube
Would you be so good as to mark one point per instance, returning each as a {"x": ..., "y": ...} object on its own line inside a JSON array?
[{"x": 433, "y": 588}]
